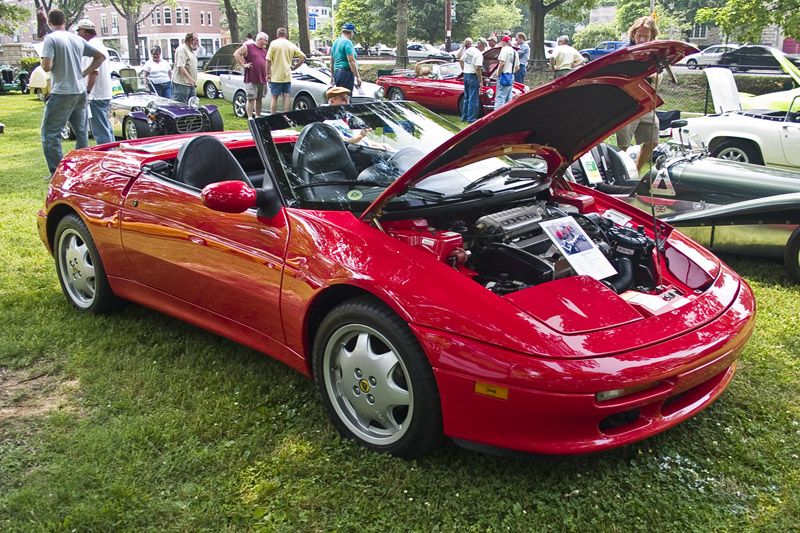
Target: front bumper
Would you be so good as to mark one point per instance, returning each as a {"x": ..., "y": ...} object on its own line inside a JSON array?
[{"x": 551, "y": 407}]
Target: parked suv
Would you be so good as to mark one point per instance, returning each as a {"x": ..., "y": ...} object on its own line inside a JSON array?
[{"x": 603, "y": 48}]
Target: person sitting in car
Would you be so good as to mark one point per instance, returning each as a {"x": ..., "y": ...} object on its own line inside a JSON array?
[{"x": 340, "y": 96}]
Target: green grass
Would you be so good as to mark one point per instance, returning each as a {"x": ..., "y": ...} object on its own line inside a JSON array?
[{"x": 138, "y": 422}]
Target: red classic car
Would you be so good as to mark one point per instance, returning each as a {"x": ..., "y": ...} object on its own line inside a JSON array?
[
  {"x": 438, "y": 84},
  {"x": 420, "y": 282}
]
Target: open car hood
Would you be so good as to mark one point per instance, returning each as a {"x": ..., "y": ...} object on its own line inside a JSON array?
[
  {"x": 223, "y": 58},
  {"x": 588, "y": 105}
]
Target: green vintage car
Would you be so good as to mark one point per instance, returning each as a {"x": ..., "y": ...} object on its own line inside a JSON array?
[{"x": 14, "y": 79}]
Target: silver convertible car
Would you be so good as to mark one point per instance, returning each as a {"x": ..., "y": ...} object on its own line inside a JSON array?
[{"x": 309, "y": 83}]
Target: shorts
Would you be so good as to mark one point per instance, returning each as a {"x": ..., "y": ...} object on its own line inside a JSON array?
[
  {"x": 254, "y": 91},
  {"x": 277, "y": 89},
  {"x": 644, "y": 129}
]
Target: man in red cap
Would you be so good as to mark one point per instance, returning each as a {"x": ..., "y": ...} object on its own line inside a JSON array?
[{"x": 508, "y": 63}]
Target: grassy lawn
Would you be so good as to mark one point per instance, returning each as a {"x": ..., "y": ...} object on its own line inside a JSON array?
[{"x": 138, "y": 422}]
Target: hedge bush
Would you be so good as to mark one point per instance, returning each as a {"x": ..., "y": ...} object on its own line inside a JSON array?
[{"x": 29, "y": 63}]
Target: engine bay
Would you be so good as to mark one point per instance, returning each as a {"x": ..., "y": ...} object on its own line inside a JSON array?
[{"x": 508, "y": 250}]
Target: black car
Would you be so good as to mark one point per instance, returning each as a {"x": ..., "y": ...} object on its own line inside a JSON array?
[{"x": 755, "y": 57}]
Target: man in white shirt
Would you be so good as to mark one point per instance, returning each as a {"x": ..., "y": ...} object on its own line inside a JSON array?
[
  {"x": 508, "y": 63},
  {"x": 565, "y": 58},
  {"x": 98, "y": 86},
  {"x": 472, "y": 65}
]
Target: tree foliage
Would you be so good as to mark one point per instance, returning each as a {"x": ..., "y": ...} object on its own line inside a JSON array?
[
  {"x": 539, "y": 9},
  {"x": 495, "y": 17},
  {"x": 673, "y": 22},
  {"x": 592, "y": 34},
  {"x": 744, "y": 20},
  {"x": 11, "y": 16}
]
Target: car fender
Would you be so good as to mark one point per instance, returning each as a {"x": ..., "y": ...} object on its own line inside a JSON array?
[
  {"x": 138, "y": 115},
  {"x": 210, "y": 108}
]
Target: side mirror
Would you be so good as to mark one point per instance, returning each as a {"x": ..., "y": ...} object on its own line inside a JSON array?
[
  {"x": 229, "y": 196},
  {"x": 237, "y": 197}
]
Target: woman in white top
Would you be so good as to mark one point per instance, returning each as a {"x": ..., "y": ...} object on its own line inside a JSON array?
[{"x": 158, "y": 72}]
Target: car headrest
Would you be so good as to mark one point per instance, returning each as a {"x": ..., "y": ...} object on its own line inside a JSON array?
[{"x": 205, "y": 159}]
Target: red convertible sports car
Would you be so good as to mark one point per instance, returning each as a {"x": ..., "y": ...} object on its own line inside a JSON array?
[
  {"x": 438, "y": 84},
  {"x": 421, "y": 284}
]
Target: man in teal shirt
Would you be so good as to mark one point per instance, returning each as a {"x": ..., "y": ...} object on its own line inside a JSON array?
[{"x": 343, "y": 60}]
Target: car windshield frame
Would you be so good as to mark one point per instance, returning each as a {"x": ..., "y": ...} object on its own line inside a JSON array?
[
  {"x": 409, "y": 132},
  {"x": 136, "y": 84}
]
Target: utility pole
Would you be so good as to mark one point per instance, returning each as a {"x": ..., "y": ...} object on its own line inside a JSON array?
[{"x": 448, "y": 25}]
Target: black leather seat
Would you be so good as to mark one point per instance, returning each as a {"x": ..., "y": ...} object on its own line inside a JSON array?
[
  {"x": 321, "y": 155},
  {"x": 205, "y": 159}
]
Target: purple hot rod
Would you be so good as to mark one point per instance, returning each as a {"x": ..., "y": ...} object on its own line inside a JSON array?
[{"x": 137, "y": 111}]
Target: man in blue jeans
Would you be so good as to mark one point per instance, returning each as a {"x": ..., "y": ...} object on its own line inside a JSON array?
[
  {"x": 61, "y": 57},
  {"x": 98, "y": 87},
  {"x": 472, "y": 64}
]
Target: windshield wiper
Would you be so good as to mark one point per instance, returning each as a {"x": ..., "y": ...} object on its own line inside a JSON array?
[
  {"x": 487, "y": 177},
  {"x": 339, "y": 182}
]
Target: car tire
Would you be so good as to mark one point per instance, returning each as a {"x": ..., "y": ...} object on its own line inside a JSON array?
[
  {"x": 587, "y": 57},
  {"x": 134, "y": 129},
  {"x": 375, "y": 381},
  {"x": 791, "y": 255},
  {"x": 736, "y": 150},
  {"x": 80, "y": 270},
  {"x": 395, "y": 94},
  {"x": 66, "y": 133},
  {"x": 40, "y": 94},
  {"x": 303, "y": 101},
  {"x": 215, "y": 121},
  {"x": 240, "y": 104},
  {"x": 23, "y": 86},
  {"x": 210, "y": 90},
  {"x": 692, "y": 64}
]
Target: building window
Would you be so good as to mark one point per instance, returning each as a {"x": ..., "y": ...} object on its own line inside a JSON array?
[
  {"x": 186, "y": 19},
  {"x": 699, "y": 31},
  {"x": 152, "y": 18},
  {"x": 114, "y": 24},
  {"x": 103, "y": 25},
  {"x": 178, "y": 16},
  {"x": 202, "y": 18},
  {"x": 167, "y": 15},
  {"x": 209, "y": 18},
  {"x": 158, "y": 16}
]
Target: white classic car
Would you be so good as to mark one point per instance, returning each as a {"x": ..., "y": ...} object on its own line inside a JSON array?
[
  {"x": 761, "y": 136},
  {"x": 310, "y": 82},
  {"x": 708, "y": 57},
  {"x": 40, "y": 80}
]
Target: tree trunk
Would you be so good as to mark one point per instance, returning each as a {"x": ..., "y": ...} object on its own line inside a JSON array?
[
  {"x": 401, "y": 61},
  {"x": 302, "y": 19},
  {"x": 133, "y": 38},
  {"x": 274, "y": 15},
  {"x": 233, "y": 21}
]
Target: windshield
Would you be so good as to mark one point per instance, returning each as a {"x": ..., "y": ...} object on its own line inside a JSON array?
[
  {"x": 131, "y": 86},
  {"x": 449, "y": 70},
  {"x": 343, "y": 157}
]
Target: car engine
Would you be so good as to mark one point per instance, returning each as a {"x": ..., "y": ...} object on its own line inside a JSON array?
[{"x": 507, "y": 250}]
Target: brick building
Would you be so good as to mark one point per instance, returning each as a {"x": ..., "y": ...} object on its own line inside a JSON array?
[{"x": 166, "y": 26}]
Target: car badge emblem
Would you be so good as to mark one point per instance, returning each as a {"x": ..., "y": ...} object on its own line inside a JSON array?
[{"x": 662, "y": 185}]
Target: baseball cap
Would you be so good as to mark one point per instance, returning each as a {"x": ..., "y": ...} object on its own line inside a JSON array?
[
  {"x": 493, "y": 38},
  {"x": 482, "y": 41},
  {"x": 337, "y": 91},
  {"x": 350, "y": 27},
  {"x": 506, "y": 38},
  {"x": 85, "y": 24}
]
